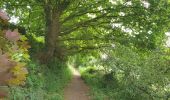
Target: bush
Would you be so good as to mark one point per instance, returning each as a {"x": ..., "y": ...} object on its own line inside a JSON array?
[
  {"x": 129, "y": 74},
  {"x": 43, "y": 83},
  {"x": 33, "y": 89},
  {"x": 13, "y": 54}
]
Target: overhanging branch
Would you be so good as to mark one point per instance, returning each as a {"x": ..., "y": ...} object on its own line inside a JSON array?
[
  {"x": 83, "y": 13},
  {"x": 86, "y": 23},
  {"x": 87, "y": 39},
  {"x": 79, "y": 49}
]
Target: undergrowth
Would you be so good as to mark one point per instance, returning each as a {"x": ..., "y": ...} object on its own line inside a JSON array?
[
  {"x": 94, "y": 81},
  {"x": 43, "y": 83}
]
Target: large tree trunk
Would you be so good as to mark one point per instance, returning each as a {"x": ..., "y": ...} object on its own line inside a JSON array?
[
  {"x": 52, "y": 33},
  {"x": 52, "y": 19},
  {"x": 52, "y": 37}
]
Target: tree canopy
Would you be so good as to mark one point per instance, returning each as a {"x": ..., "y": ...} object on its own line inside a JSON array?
[{"x": 78, "y": 25}]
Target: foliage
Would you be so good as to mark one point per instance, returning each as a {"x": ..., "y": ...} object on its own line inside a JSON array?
[
  {"x": 87, "y": 25},
  {"x": 42, "y": 83},
  {"x": 33, "y": 89},
  {"x": 13, "y": 54},
  {"x": 128, "y": 74},
  {"x": 56, "y": 78},
  {"x": 36, "y": 42},
  {"x": 122, "y": 41}
]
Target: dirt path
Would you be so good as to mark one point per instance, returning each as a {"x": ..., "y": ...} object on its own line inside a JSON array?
[{"x": 76, "y": 89}]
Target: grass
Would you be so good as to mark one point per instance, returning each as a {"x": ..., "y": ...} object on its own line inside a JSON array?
[
  {"x": 102, "y": 89},
  {"x": 99, "y": 90},
  {"x": 93, "y": 80},
  {"x": 44, "y": 82},
  {"x": 56, "y": 79}
]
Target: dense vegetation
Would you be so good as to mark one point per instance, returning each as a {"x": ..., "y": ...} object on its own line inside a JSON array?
[
  {"x": 128, "y": 75},
  {"x": 21, "y": 77},
  {"x": 119, "y": 46}
]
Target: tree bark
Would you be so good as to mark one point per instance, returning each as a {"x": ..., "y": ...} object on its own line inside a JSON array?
[
  {"x": 52, "y": 33},
  {"x": 52, "y": 36},
  {"x": 52, "y": 20}
]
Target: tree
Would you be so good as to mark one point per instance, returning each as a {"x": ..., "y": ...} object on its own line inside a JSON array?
[{"x": 78, "y": 25}]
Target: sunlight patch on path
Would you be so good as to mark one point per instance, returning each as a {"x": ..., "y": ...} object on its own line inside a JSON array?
[{"x": 74, "y": 71}]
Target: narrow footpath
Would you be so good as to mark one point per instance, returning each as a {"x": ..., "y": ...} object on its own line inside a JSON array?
[{"x": 76, "y": 89}]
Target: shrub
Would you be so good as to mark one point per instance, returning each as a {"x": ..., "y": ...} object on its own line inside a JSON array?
[{"x": 13, "y": 54}]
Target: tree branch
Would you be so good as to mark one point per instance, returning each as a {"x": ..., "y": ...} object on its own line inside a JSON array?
[
  {"x": 86, "y": 39},
  {"x": 79, "y": 49},
  {"x": 86, "y": 24},
  {"x": 83, "y": 13}
]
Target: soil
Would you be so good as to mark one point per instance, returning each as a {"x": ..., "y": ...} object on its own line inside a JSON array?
[{"x": 76, "y": 89}]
